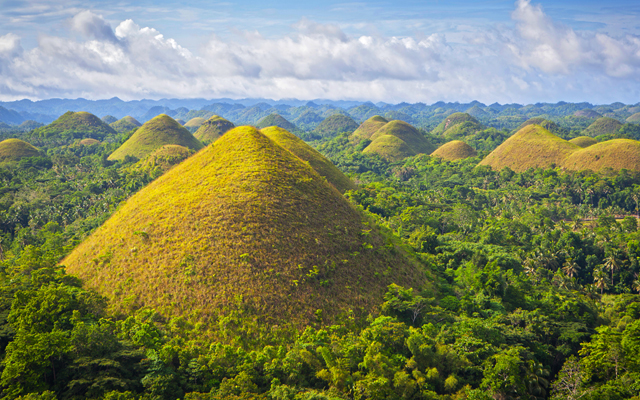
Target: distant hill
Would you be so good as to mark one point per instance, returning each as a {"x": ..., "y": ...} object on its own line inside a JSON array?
[
  {"x": 603, "y": 126},
  {"x": 75, "y": 125},
  {"x": 397, "y": 140},
  {"x": 308, "y": 154},
  {"x": 29, "y": 125},
  {"x": 160, "y": 131},
  {"x": 531, "y": 147},
  {"x": 308, "y": 120},
  {"x": 546, "y": 124},
  {"x": 477, "y": 112},
  {"x": 334, "y": 125},
  {"x": 88, "y": 142},
  {"x": 195, "y": 122},
  {"x": 454, "y": 150},
  {"x": 109, "y": 119},
  {"x": 369, "y": 127},
  {"x": 452, "y": 120},
  {"x": 634, "y": 119},
  {"x": 212, "y": 129},
  {"x": 583, "y": 141},
  {"x": 261, "y": 241},
  {"x": 13, "y": 150},
  {"x": 588, "y": 113},
  {"x": 616, "y": 154},
  {"x": 125, "y": 124},
  {"x": 276, "y": 120}
]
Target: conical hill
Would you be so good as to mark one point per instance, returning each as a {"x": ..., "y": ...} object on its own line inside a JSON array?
[
  {"x": 397, "y": 140},
  {"x": 452, "y": 120},
  {"x": 164, "y": 158},
  {"x": 634, "y": 119},
  {"x": 276, "y": 120},
  {"x": 154, "y": 134},
  {"x": 75, "y": 125},
  {"x": 369, "y": 127},
  {"x": 212, "y": 129},
  {"x": 307, "y": 153},
  {"x": 125, "y": 124},
  {"x": 455, "y": 150},
  {"x": 602, "y": 126},
  {"x": 12, "y": 150},
  {"x": 584, "y": 141},
  {"x": 616, "y": 154},
  {"x": 243, "y": 232},
  {"x": 531, "y": 147},
  {"x": 195, "y": 122}
]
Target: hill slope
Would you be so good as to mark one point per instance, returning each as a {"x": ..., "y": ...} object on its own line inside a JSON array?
[
  {"x": 12, "y": 150},
  {"x": 452, "y": 120},
  {"x": 408, "y": 141},
  {"x": 261, "y": 237},
  {"x": 531, "y": 147},
  {"x": 616, "y": 154},
  {"x": 154, "y": 134},
  {"x": 307, "y": 153},
  {"x": 195, "y": 122},
  {"x": 212, "y": 129},
  {"x": 454, "y": 150},
  {"x": 75, "y": 125},
  {"x": 334, "y": 125},
  {"x": 369, "y": 127},
  {"x": 584, "y": 141},
  {"x": 634, "y": 119},
  {"x": 602, "y": 126},
  {"x": 276, "y": 120},
  {"x": 125, "y": 124}
]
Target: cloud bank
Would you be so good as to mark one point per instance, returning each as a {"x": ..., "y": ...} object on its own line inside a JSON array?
[{"x": 537, "y": 59}]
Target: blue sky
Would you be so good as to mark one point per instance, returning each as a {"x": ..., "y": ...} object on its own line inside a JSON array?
[{"x": 505, "y": 51}]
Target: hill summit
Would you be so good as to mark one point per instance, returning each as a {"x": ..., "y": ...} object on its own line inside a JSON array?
[
  {"x": 125, "y": 124},
  {"x": 12, "y": 150},
  {"x": 455, "y": 150},
  {"x": 212, "y": 129},
  {"x": 242, "y": 229},
  {"x": 157, "y": 132},
  {"x": 276, "y": 120},
  {"x": 396, "y": 140},
  {"x": 75, "y": 125}
]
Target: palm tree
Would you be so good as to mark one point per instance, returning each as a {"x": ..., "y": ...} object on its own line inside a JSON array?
[
  {"x": 636, "y": 285},
  {"x": 600, "y": 278},
  {"x": 570, "y": 267},
  {"x": 611, "y": 264}
]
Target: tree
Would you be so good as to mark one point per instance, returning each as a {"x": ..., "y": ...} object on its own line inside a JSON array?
[
  {"x": 600, "y": 279},
  {"x": 570, "y": 267},
  {"x": 612, "y": 264}
]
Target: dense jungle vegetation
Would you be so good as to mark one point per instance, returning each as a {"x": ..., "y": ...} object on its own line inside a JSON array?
[{"x": 537, "y": 275}]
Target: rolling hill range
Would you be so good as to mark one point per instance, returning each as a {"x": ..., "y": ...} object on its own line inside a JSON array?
[
  {"x": 13, "y": 150},
  {"x": 535, "y": 147},
  {"x": 262, "y": 238},
  {"x": 212, "y": 129},
  {"x": 125, "y": 124},
  {"x": 396, "y": 140},
  {"x": 159, "y": 131},
  {"x": 454, "y": 150}
]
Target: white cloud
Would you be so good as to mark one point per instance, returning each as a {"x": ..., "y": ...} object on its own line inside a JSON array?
[{"x": 539, "y": 59}]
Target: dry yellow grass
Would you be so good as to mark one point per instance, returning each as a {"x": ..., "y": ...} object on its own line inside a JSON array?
[
  {"x": 212, "y": 129},
  {"x": 242, "y": 227},
  {"x": 455, "y": 150},
  {"x": 583, "y": 141},
  {"x": 369, "y": 127},
  {"x": 531, "y": 147},
  {"x": 616, "y": 154},
  {"x": 12, "y": 150}
]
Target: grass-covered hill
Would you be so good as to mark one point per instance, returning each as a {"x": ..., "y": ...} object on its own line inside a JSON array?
[
  {"x": 546, "y": 124},
  {"x": 212, "y": 129},
  {"x": 308, "y": 154},
  {"x": 159, "y": 131},
  {"x": 588, "y": 113},
  {"x": 125, "y": 124},
  {"x": 602, "y": 126},
  {"x": 88, "y": 142},
  {"x": 334, "y": 125},
  {"x": 634, "y": 119},
  {"x": 74, "y": 125},
  {"x": 584, "y": 141},
  {"x": 369, "y": 127},
  {"x": 195, "y": 122},
  {"x": 276, "y": 120},
  {"x": 531, "y": 147},
  {"x": 260, "y": 242},
  {"x": 615, "y": 154},
  {"x": 164, "y": 158},
  {"x": 109, "y": 119},
  {"x": 452, "y": 120},
  {"x": 12, "y": 150},
  {"x": 397, "y": 140},
  {"x": 462, "y": 130},
  {"x": 455, "y": 150}
]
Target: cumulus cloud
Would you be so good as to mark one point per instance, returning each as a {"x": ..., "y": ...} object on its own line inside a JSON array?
[{"x": 537, "y": 59}]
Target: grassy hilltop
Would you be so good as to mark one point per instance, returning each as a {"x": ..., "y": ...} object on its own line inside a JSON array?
[
  {"x": 276, "y": 120},
  {"x": 369, "y": 127},
  {"x": 261, "y": 234},
  {"x": 159, "y": 131},
  {"x": 75, "y": 125},
  {"x": 397, "y": 140},
  {"x": 12, "y": 150},
  {"x": 455, "y": 150},
  {"x": 212, "y": 129},
  {"x": 125, "y": 124},
  {"x": 334, "y": 125}
]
